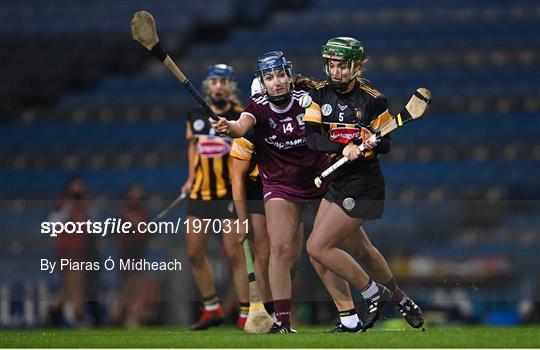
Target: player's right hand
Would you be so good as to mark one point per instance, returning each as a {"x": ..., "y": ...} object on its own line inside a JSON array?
[
  {"x": 351, "y": 151},
  {"x": 221, "y": 125},
  {"x": 186, "y": 187},
  {"x": 243, "y": 233}
]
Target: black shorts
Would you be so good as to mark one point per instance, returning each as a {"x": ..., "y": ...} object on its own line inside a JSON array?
[
  {"x": 359, "y": 194},
  {"x": 254, "y": 196},
  {"x": 211, "y": 209}
]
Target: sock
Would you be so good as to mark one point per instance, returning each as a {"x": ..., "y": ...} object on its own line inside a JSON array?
[
  {"x": 269, "y": 307},
  {"x": 349, "y": 318},
  {"x": 397, "y": 293},
  {"x": 283, "y": 311},
  {"x": 243, "y": 310},
  {"x": 211, "y": 303},
  {"x": 370, "y": 290}
]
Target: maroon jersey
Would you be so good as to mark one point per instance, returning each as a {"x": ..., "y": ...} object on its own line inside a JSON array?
[{"x": 286, "y": 164}]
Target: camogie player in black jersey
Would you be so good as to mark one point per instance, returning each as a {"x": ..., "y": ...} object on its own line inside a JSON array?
[
  {"x": 337, "y": 121},
  {"x": 210, "y": 196}
]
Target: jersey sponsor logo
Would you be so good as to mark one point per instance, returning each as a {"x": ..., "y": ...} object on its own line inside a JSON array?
[
  {"x": 344, "y": 135},
  {"x": 342, "y": 107},
  {"x": 326, "y": 109},
  {"x": 349, "y": 203},
  {"x": 198, "y": 125},
  {"x": 214, "y": 148},
  {"x": 272, "y": 140}
]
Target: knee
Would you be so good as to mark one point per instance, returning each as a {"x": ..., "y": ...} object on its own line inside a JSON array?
[
  {"x": 262, "y": 257},
  {"x": 195, "y": 256},
  {"x": 261, "y": 250},
  {"x": 316, "y": 265},
  {"x": 314, "y": 250},
  {"x": 279, "y": 250},
  {"x": 368, "y": 254},
  {"x": 359, "y": 253},
  {"x": 234, "y": 254}
]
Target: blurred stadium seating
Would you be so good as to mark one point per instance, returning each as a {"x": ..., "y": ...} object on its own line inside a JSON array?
[{"x": 80, "y": 97}]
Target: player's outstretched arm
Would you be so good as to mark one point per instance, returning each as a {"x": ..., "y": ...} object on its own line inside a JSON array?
[{"x": 234, "y": 128}]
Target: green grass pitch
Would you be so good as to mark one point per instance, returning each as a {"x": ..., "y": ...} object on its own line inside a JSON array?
[{"x": 307, "y": 337}]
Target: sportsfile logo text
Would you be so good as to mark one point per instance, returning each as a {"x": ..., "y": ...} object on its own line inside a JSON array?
[{"x": 119, "y": 226}]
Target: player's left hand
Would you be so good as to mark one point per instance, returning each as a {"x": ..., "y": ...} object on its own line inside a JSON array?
[{"x": 368, "y": 144}]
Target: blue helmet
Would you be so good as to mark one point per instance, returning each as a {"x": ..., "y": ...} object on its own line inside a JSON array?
[
  {"x": 271, "y": 61},
  {"x": 220, "y": 70}
]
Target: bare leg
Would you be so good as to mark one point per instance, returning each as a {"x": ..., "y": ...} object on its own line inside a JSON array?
[
  {"x": 282, "y": 223},
  {"x": 360, "y": 247},
  {"x": 235, "y": 255},
  {"x": 296, "y": 249},
  {"x": 332, "y": 229},
  {"x": 337, "y": 287},
  {"x": 283, "y": 220},
  {"x": 261, "y": 248},
  {"x": 200, "y": 266}
]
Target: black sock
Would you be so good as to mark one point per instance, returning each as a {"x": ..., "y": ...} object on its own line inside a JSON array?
[
  {"x": 347, "y": 313},
  {"x": 397, "y": 293},
  {"x": 269, "y": 307}
]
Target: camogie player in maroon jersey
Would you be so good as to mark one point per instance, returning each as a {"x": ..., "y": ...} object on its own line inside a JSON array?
[
  {"x": 344, "y": 107},
  {"x": 286, "y": 168}
]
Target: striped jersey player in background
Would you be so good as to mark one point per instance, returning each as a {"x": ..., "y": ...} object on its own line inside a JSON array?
[
  {"x": 210, "y": 195},
  {"x": 336, "y": 122}
]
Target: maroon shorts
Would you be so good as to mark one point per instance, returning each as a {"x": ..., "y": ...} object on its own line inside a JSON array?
[{"x": 295, "y": 193}]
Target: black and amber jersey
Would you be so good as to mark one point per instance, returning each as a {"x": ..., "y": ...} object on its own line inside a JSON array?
[
  {"x": 244, "y": 148},
  {"x": 211, "y": 161},
  {"x": 342, "y": 116}
]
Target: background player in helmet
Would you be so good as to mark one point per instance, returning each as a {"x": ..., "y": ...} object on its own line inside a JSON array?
[
  {"x": 210, "y": 197},
  {"x": 344, "y": 106},
  {"x": 286, "y": 166}
]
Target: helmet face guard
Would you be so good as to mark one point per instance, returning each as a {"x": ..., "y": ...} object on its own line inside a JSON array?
[
  {"x": 342, "y": 49},
  {"x": 270, "y": 63}
]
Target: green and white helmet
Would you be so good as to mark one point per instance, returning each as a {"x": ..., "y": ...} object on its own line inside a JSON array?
[{"x": 343, "y": 49}]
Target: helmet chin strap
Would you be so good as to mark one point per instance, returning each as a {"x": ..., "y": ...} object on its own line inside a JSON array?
[
  {"x": 339, "y": 85},
  {"x": 219, "y": 102},
  {"x": 281, "y": 99}
]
